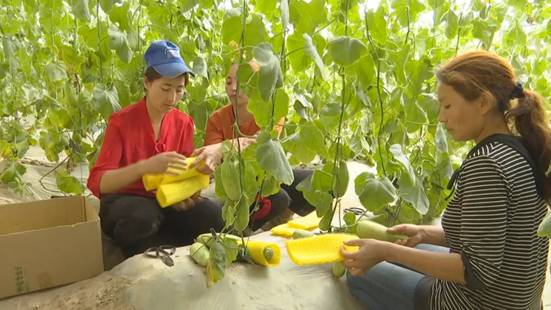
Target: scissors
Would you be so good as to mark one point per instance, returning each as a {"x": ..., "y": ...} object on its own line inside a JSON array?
[{"x": 164, "y": 252}]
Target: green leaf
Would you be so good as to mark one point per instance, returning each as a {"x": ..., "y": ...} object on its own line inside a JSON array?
[
  {"x": 120, "y": 14},
  {"x": 13, "y": 173},
  {"x": 345, "y": 50},
  {"x": 416, "y": 117},
  {"x": 322, "y": 179},
  {"x": 313, "y": 52},
  {"x": 68, "y": 183},
  {"x": 232, "y": 249},
  {"x": 297, "y": 52},
  {"x": 413, "y": 193},
  {"x": 312, "y": 138},
  {"x": 116, "y": 39},
  {"x": 377, "y": 25},
  {"x": 217, "y": 264},
  {"x": 106, "y": 5},
  {"x": 81, "y": 11},
  {"x": 518, "y": 4},
  {"x": 251, "y": 182},
  {"x": 231, "y": 29},
  {"x": 255, "y": 30},
  {"x": 270, "y": 186},
  {"x": 187, "y": 5},
  {"x": 544, "y": 230},
  {"x": 439, "y": 10},
  {"x": 9, "y": 48},
  {"x": 270, "y": 71},
  {"x": 262, "y": 110},
  {"x": 304, "y": 22},
  {"x": 55, "y": 72},
  {"x": 407, "y": 11},
  {"x": 452, "y": 24},
  {"x": 124, "y": 52},
  {"x": 367, "y": 73},
  {"x": 229, "y": 212},
  {"x": 58, "y": 116},
  {"x": 396, "y": 150},
  {"x": 271, "y": 158},
  {"x": 267, "y": 7},
  {"x": 325, "y": 222},
  {"x": 106, "y": 101},
  {"x": 374, "y": 193},
  {"x": 281, "y": 105},
  {"x": 200, "y": 67},
  {"x": 242, "y": 217},
  {"x": 218, "y": 184},
  {"x": 440, "y": 139},
  {"x": 516, "y": 36},
  {"x": 349, "y": 218},
  {"x": 230, "y": 178},
  {"x": 319, "y": 199},
  {"x": 294, "y": 145}
]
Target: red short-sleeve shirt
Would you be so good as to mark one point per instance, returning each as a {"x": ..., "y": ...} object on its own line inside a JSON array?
[{"x": 129, "y": 138}]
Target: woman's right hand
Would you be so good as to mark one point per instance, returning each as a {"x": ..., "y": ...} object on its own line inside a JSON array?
[
  {"x": 416, "y": 234},
  {"x": 162, "y": 161}
]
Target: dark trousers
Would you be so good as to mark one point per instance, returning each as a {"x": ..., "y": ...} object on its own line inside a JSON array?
[
  {"x": 298, "y": 205},
  {"x": 287, "y": 198},
  {"x": 137, "y": 223},
  {"x": 280, "y": 202}
]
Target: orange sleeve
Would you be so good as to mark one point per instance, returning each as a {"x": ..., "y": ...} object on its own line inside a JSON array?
[
  {"x": 279, "y": 126},
  {"x": 214, "y": 132}
]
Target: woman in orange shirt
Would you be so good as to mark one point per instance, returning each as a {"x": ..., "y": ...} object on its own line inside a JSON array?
[{"x": 220, "y": 128}]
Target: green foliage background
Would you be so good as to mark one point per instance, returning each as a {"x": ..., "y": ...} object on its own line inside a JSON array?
[{"x": 354, "y": 78}]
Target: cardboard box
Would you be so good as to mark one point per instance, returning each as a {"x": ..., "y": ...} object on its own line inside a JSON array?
[{"x": 48, "y": 243}]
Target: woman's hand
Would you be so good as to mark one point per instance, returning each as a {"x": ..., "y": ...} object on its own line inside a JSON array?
[
  {"x": 370, "y": 253},
  {"x": 162, "y": 161},
  {"x": 416, "y": 234},
  {"x": 188, "y": 203},
  {"x": 207, "y": 158},
  {"x": 243, "y": 142}
]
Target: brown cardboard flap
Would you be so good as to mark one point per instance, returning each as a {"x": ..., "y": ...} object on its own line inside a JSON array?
[
  {"x": 35, "y": 215},
  {"x": 91, "y": 213}
]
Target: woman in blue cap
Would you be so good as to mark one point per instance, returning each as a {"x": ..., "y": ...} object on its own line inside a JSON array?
[{"x": 150, "y": 136}]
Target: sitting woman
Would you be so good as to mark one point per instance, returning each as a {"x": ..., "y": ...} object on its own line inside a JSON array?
[
  {"x": 150, "y": 136},
  {"x": 490, "y": 256},
  {"x": 220, "y": 128}
]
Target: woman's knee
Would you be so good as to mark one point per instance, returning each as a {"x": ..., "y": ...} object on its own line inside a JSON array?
[
  {"x": 360, "y": 289},
  {"x": 136, "y": 227},
  {"x": 130, "y": 218},
  {"x": 280, "y": 201},
  {"x": 210, "y": 213}
]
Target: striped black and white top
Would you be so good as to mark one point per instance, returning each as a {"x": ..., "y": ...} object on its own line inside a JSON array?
[{"x": 492, "y": 222}]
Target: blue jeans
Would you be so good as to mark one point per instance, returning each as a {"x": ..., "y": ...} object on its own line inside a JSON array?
[{"x": 389, "y": 286}]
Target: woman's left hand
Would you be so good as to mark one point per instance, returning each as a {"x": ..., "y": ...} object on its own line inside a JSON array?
[
  {"x": 370, "y": 253},
  {"x": 207, "y": 158}
]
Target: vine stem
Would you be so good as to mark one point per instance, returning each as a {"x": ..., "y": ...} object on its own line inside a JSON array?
[
  {"x": 338, "y": 149},
  {"x": 379, "y": 97},
  {"x": 99, "y": 40},
  {"x": 236, "y": 123}
]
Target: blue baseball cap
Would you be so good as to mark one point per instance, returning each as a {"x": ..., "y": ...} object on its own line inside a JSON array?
[{"x": 164, "y": 57}]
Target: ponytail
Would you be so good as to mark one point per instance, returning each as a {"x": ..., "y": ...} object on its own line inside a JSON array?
[{"x": 529, "y": 120}]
